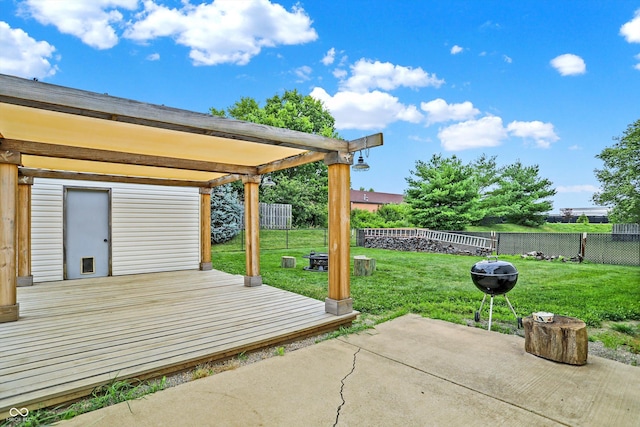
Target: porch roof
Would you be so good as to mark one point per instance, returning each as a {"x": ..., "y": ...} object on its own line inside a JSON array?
[{"x": 65, "y": 132}]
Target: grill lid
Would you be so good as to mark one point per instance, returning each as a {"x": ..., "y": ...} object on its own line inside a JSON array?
[
  {"x": 493, "y": 267},
  {"x": 494, "y": 277}
]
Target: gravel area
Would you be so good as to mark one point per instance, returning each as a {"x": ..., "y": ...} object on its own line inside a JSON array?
[{"x": 213, "y": 368}]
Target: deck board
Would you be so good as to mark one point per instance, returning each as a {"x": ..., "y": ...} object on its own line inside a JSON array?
[{"x": 75, "y": 335}]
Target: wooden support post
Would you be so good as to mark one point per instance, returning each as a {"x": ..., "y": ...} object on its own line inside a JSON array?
[
  {"x": 24, "y": 231},
  {"x": 363, "y": 265},
  {"x": 205, "y": 229},
  {"x": 339, "y": 301},
  {"x": 9, "y": 308},
  {"x": 252, "y": 230},
  {"x": 288, "y": 262}
]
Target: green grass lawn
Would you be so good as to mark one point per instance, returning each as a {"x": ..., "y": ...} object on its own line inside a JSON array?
[{"x": 439, "y": 286}]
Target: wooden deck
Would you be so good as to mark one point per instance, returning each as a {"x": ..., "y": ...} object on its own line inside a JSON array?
[{"x": 75, "y": 335}]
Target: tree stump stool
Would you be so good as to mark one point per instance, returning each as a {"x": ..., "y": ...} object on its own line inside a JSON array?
[
  {"x": 564, "y": 340},
  {"x": 288, "y": 262},
  {"x": 363, "y": 265}
]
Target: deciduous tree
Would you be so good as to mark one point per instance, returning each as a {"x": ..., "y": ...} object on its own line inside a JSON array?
[
  {"x": 620, "y": 177},
  {"x": 304, "y": 187}
]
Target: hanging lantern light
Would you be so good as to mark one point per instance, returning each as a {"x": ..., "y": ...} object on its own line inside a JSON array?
[{"x": 361, "y": 165}]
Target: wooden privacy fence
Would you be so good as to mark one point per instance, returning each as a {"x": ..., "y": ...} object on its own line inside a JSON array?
[
  {"x": 274, "y": 216},
  {"x": 626, "y": 229},
  {"x": 441, "y": 236}
]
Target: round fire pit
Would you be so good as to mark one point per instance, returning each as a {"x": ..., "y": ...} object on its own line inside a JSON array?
[{"x": 318, "y": 261}]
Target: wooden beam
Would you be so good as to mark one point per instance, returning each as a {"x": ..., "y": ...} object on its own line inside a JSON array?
[
  {"x": 29, "y": 93},
  {"x": 369, "y": 141},
  {"x": 225, "y": 180},
  {"x": 291, "y": 162},
  {"x": 252, "y": 230},
  {"x": 8, "y": 242},
  {"x": 90, "y": 154},
  {"x": 10, "y": 157},
  {"x": 45, "y": 173}
]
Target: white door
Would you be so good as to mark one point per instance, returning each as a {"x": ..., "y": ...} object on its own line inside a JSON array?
[{"x": 86, "y": 232}]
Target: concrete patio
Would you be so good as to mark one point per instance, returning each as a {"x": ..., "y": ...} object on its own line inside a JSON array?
[{"x": 409, "y": 371}]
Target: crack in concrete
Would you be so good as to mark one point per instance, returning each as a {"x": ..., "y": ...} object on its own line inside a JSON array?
[{"x": 353, "y": 368}]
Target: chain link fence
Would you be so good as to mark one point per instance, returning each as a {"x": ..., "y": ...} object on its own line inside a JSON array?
[
  {"x": 602, "y": 248},
  {"x": 307, "y": 238}
]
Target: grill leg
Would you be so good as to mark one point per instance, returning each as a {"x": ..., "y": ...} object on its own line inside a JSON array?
[
  {"x": 482, "y": 303},
  {"x": 510, "y": 306},
  {"x": 477, "y": 315},
  {"x": 519, "y": 319},
  {"x": 490, "y": 311}
]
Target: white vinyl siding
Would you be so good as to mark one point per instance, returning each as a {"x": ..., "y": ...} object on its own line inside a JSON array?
[
  {"x": 153, "y": 228},
  {"x": 46, "y": 231}
]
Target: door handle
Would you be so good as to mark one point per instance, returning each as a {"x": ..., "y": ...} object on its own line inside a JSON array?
[{"x": 105, "y": 240}]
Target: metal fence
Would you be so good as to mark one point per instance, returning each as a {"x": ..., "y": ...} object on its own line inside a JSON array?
[
  {"x": 603, "y": 248},
  {"x": 304, "y": 238},
  {"x": 565, "y": 244}
]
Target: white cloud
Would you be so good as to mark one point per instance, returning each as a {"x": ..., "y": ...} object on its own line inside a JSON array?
[
  {"x": 542, "y": 133},
  {"x": 456, "y": 49},
  {"x": 575, "y": 147},
  {"x": 637, "y": 66},
  {"x": 577, "y": 189},
  {"x": 631, "y": 30},
  {"x": 485, "y": 132},
  {"x": 91, "y": 21},
  {"x": 329, "y": 57},
  {"x": 569, "y": 64},
  {"x": 507, "y": 59},
  {"x": 339, "y": 73},
  {"x": 23, "y": 56},
  {"x": 367, "y": 75},
  {"x": 225, "y": 31},
  {"x": 439, "y": 111},
  {"x": 153, "y": 57},
  {"x": 303, "y": 73},
  {"x": 364, "y": 111}
]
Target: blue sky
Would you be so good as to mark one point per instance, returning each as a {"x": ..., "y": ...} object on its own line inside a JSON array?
[{"x": 548, "y": 83}]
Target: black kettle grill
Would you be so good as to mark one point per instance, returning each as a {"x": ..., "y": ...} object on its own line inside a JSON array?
[{"x": 494, "y": 277}]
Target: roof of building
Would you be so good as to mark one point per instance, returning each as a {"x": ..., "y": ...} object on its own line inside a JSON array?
[
  {"x": 374, "y": 197},
  {"x": 593, "y": 211}
]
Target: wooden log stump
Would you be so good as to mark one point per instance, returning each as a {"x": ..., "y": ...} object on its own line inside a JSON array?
[
  {"x": 363, "y": 265},
  {"x": 288, "y": 262},
  {"x": 564, "y": 340}
]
